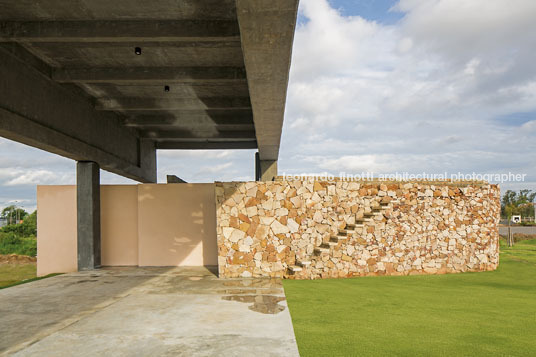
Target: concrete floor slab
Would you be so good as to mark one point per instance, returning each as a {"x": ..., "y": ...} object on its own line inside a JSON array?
[{"x": 146, "y": 311}]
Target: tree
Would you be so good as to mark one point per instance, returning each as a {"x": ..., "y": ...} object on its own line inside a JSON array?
[
  {"x": 12, "y": 213},
  {"x": 518, "y": 203},
  {"x": 29, "y": 225}
]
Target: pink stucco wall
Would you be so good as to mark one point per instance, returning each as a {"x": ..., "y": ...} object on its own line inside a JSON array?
[
  {"x": 56, "y": 229},
  {"x": 119, "y": 214},
  {"x": 145, "y": 225},
  {"x": 177, "y": 225}
]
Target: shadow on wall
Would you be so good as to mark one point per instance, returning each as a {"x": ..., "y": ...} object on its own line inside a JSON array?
[
  {"x": 228, "y": 197},
  {"x": 119, "y": 217},
  {"x": 177, "y": 225}
]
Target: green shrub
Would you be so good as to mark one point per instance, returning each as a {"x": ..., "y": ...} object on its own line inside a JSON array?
[
  {"x": 527, "y": 223},
  {"x": 10, "y": 243},
  {"x": 20, "y": 238},
  {"x": 28, "y": 228}
]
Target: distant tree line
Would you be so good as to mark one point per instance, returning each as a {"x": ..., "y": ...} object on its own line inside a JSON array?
[
  {"x": 13, "y": 214},
  {"x": 18, "y": 238},
  {"x": 518, "y": 203}
]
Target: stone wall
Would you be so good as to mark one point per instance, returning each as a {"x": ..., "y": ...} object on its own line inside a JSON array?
[{"x": 310, "y": 229}]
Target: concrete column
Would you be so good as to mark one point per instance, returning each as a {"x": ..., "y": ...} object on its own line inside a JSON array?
[
  {"x": 88, "y": 215},
  {"x": 265, "y": 170}
]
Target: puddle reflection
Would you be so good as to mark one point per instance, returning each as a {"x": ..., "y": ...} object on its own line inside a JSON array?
[{"x": 265, "y": 304}]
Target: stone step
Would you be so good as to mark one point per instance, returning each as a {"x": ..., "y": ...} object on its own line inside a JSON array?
[
  {"x": 321, "y": 250},
  {"x": 372, "y": 214},
  {"x": 294, "y": 268},
  {"x": 332, "y": 243},
  {"x": 304, "y": 263},
  {"x": 354, "y": 226},
  {"x": 339, "y": 237},
  {"x": 346, "y": 231},
  {"x": 380, "y": 208}
]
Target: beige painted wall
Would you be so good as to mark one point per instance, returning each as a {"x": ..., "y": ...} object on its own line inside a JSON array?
[
  {"x": 119, "y": 225},
  {"x": 56, "y": 229},
  {"x": 146, "y": 225},
  {"x": 177, "y": 225}
]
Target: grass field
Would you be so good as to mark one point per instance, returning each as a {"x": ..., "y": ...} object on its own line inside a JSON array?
[
  {"x": 13, "y": 273},
  {"x": 470, "y": 314}
]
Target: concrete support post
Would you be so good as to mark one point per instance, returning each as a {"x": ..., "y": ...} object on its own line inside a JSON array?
[
  {"x": 265, "y": 170},
  {"x": 257, "y": 167},
  {"x": 88, "y": 215}
]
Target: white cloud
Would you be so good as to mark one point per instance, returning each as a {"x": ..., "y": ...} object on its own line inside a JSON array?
[
  {"x": 216, "y": 169},
  {"x": 206, "y": 165},
  {"x": 37, "y": 177},
  {"x": 422, "y": 94}
]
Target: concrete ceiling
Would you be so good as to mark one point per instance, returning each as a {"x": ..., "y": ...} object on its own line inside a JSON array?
[{"x": 225, "y": 64}]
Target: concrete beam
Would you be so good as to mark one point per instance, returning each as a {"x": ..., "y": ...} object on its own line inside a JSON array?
[
  {"x": 165, "y": 104},
  {"x": 265, "y": 170},
  {"x": 146, "y": 75},
  {"x": 80, "y": 10},
  {"x": 199, "y": 128},
  {"x": 267, "y": 33},
  {"x": 183, "y": 90},
  {"x": 119, "y": 31},
  {"x": 206, "y": 145},
  {"x": 88, "y": 215},
  {"x": 191, "y": 118},
  {"x": 186, "y": 134},
  {"x": 46, "y": 115}
]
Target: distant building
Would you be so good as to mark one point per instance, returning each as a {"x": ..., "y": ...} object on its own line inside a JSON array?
[{"x": 3, "y": 222}]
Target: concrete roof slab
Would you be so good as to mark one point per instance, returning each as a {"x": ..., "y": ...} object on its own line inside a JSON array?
[{"x": 203, "y": 74}]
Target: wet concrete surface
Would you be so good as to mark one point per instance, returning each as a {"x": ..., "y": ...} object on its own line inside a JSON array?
[
  {"x": 265, "y": 304},
  {"x": 146, "y": 311}
]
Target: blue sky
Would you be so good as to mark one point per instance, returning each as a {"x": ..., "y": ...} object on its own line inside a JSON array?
[
  {"x": 373, "y": 10},
  {"x": 516, "y": 119},
  {"x": 384, "y": 86}
]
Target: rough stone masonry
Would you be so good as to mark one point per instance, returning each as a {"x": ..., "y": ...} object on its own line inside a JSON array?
[{"x": 310, "y": 229}]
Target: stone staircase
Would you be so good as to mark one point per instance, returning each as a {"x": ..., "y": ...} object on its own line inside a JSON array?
[{"x": 343, "y": 234}]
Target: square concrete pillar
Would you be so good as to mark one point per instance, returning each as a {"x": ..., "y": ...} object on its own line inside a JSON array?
[
  {"x": 265, "y": 170},
  {"x": 88, "y": 215}
]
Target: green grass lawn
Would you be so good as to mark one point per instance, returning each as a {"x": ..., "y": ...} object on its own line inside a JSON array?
[
  {"x": 14, "y": 273},
  {"x": 470, "y": 314}
]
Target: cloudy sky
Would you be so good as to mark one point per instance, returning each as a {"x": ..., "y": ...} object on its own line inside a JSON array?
[{"x": 376, "y": 85}]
